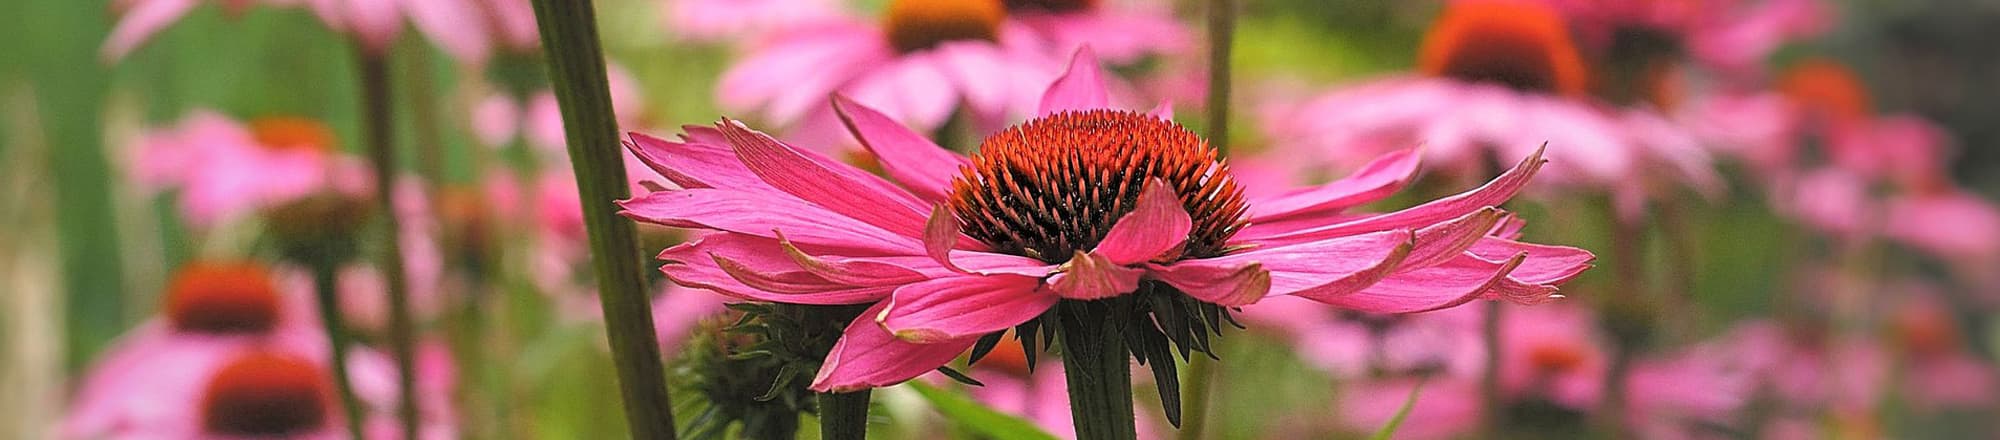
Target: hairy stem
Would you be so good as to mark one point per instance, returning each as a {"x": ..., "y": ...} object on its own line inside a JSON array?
[
  {"x": 1097, "y": 368},
  {"x": 576, "y": 70}
]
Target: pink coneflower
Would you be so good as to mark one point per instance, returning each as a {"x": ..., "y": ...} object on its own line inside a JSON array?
[
  {"x": 1122, "y": 31},
  {"x": 718, "y": 20},
  {"x": 223, "y": 170},
  {"x": 1939, "y": 371},
  {"x": 183, "y": 375},
  {"x": 925, "y": 61},
  {"x": 1497, "y": 79},
  {"x": 1082, "y": 208},
  {"x": 1730, "y": 36},
  {"x": 469, "y": 30}
]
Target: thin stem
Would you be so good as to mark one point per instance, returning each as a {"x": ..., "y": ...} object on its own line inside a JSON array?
[
  {"x": 843, "y": 416},
  {"x": 1221, "y": 36},
  {"x": 576, "y": 69},
  {"x": 1097, "y": 367},
  {"x": 1489, "y": 381},
  {"x": 376, "y": 123},
  {"x": 325, "y": 280},
  {"x": 424, "y": 112}
]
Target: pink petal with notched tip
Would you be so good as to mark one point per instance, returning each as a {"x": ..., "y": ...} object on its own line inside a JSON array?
[
  {"x": 140, "y": 23},
  {"x": 835, "y": 186},
  {"x": 1326, "y": 268},
  {"x": 1157, "y": 224},
  {"x": 1079, "y": 88},
  {"x": 701, "y": 159},
  {"x": 1089, "y": 276},
  {"x": 1374, "y": 181},
  {"x": 761, "y": 215},
  {"x": 868, "y": 356},
  {"x": 1546, "y": 264},
  {"x": 912, "y": 159},
  {"x": 944, "y": 309},
  {"x": 1453, "y": 283},
  {"x": 1493, "y": 193}
]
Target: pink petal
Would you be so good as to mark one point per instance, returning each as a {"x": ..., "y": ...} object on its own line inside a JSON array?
[
  {"x": 944, "y": 309},
  {"x": 835, "y": 186},
  {"x": 1326, "y": 268},
  {"x": 702, "y": 159},
  {"x": 1156, "y": 225},
  {"x": 1374, "y": 181},
  {"x": 1456, "y": 282},
  {"x": 850, "y": 271},
  {"x": 1492, "y": 194},
  {"x": 980, "y": 71},
  {"x": 1444, "y": 241},
  {"x": 1545, "y": 264},
  {"x": 940, "y": 235},
  {"x": 867, "y": 356},
  {"x": 913, "y": 88},
  {"x": 699, "y": 264},
  {"x": 913, "y": 160},
  {"x": 455, "y": 26},
  {"x": 1089, "y": 276},
  {"x": 139, "y": 24},
  {"x": 763, "y": 215},
  {"x": 1079, "y": 88}
]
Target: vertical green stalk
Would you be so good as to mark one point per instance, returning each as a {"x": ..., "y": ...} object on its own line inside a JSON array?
[
  {"x": 325, "y": 281},
  {"x": 843, "y": 416},
  {"x": 1099, "y": 373},
  {"x": 422, "y": 94},
  {"x": 1221, "y": 38},
  {"x": 376, "y": 123},
  {"x": 576, "y": 69}
]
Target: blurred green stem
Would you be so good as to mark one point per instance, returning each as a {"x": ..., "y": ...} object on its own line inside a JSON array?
[
  {"x": 843, "y": 416},
  {"x": 1200, "y": 373},
  {"x": 1097, "y": 368},
  {"x": 1489, "y": 380},
  {"x": 325, "y": 281},
  {"x": 376, "y": 123},
  {"x": 576, "y": 69},
  {"x": 1221, "y": 36}
]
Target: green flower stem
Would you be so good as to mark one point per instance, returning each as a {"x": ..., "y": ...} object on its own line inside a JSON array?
[
  {"x": 576, "y": 70},
  {"x": 1489, "y": 380},
  {"x": 1221, "y": 36},
  {"x": 376, "y": 123},
  {"x": 843, "y": 416},
  {"x": 325, "y": 280},
  {"x": 1099, "y": 372}
]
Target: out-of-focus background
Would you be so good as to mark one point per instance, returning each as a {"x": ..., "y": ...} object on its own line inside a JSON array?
[{"x": 91, "y": 243}]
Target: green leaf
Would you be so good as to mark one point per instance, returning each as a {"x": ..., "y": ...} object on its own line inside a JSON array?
[
  {"x": 1389, "y": 430},
  {"x": 978, "y": 418}
]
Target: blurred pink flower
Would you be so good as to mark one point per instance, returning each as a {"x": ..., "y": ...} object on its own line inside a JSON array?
[
  {"x": 925, "y": 61},
  {"x": 364, "y": 297},
  {"x": 1731, "y": 36},
  {"x": 499, "y": 119},
  {"x": 1446, "y": 407},
  {"x": 1499, "y": 80},
  {"x": 794, "y": 226},
  {"x": 467, "y": 29},
  {"x": 1553, "y": 352},
  {"x": 1124, "y": 32},
  {"x": 160, "y": 380},
  {"x": 712, "y": 21},
  {"x": 223, "y": 170},
  {"x": 1939, "y": 371}
]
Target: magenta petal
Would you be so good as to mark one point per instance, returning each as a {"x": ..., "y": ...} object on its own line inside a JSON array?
[
  {"x": 835, "y": 186},
  {"x": 701, "y": 160},
  {"x": 1546, "y": 264},
  {"x": 1164, "y": 111},
  {"x": 1492, "y": 194},
  {"x": 850, "y": 271},
  {"x": 1156, "y": 225},
  {"x": 940, "y": 235},
  {"x": 1456, "y": 282},
  {"x": 1089, "y": 276},
  {"x": 1444, "y": 241},
  {"x": 1323, "y": 268},
  {"x": 1079, "y": 88},
  {"x": 1228, "y": 286},
  {"x": 867, "y": 356},
  {"x": 913, "y": 160},
  {"x": 1374, "y": 181},
  {"x": 762, "y": 215},
  {"x": 944, "y": 309},
  {"x": 698, "y": 264}
]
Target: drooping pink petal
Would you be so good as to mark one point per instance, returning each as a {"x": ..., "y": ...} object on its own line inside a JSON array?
[
  {"x": 1080, "y": 88},
  {"x": 762, "y": 215},
  {"x": 1090, "y": 276},
  {"x": 868, "y": 356},
  {"x": 698, "y": 264},
  {"x": 850, "y": 271},
  {"x": 1157, "y": 224},
  {"x": 1444, "y": 241},
  {"x": 912, "y": 159},
  {"x": 944, "y": 309},
  {"x": 1545, "y": 264},
  {"x": 1447, "y": 285},
  {"x": 1374, "y": 181},
  {"x": 1492, "y": 194},
  {"x": 702, "y": 159},
  {"x": 835, "y": 186},
  {"x": 139, "y": 24},
  {"x": 1325, "y": 268}
]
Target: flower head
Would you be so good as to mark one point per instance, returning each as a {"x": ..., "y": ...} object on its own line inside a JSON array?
[
  {"x": 956, "y": 250},
  {"x": 223, "y": 170},
  {"x": 1518, "y": 44},
  {"x": 223, "y": 298},
  {"x": 267, "y": 394}
]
